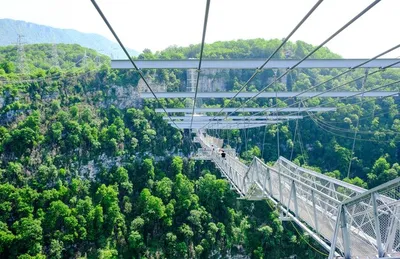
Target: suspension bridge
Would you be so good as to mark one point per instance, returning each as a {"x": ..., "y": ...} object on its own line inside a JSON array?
[{"x": 346, "y": 220}]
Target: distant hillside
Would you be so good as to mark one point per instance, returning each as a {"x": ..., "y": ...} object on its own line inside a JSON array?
[
  {"x": 35, "y": 33},
  {"x": 41, "y": 57}
]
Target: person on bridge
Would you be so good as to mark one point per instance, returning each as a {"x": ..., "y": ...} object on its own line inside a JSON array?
[{"x": 223, "y": 154}]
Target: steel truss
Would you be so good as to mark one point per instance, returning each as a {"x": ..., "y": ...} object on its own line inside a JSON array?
[
  {"x": 342, "y": 217},
  {"x": 291, "y": 109}
]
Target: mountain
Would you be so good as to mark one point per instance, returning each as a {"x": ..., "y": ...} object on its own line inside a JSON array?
[
  {"x": 88, "y": 170},
  {"x": 83, "y": 174},
  {"x": 35, "y": 33}
]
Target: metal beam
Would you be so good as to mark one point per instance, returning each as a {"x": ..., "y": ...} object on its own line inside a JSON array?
[
  {"x": 378, "y": 189},
  {"x": 252, "y": 63},
  {"x": 223, "y": 125},
  {"x": 267, "y": 94},
  {"x": 344, "y": 226},
  {"x": 292, "y": 109},
  {"x": 235, "y": 118},
  {"x": 218, "y": 126},
  {"x": 314, "y": 211},
  {"x": 381, "y": 252},
  {"x": 227, "y": 122}
]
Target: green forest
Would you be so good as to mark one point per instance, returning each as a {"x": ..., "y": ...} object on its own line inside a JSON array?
[{"x": 83, "y": 176}]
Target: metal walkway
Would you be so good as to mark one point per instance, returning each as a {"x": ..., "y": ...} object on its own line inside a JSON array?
[{"x": 359, "y": 223}]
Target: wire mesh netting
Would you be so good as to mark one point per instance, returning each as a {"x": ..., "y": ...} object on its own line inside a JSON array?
[{"x": 366, "y": 222}]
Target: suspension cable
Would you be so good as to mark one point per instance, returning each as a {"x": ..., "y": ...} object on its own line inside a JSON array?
[
  {"x": 357, "y": 124},
  {"x": 263, "y": 143},
  {"x": 346, "y": 97},
  {"x": 381, "y": 69},
  {"x": 51, "y": 77},
  {"x": 312, "y": 52},
  {"x": 360, "y": 93},
  {"x": 302, "y": 149},
  {"x": 259, "y": 69},
  {"x": 326, "y": 124},
  {"x": 130, "y": 59},
  {"x": 201, "y": 57},
  {"x": 312, "y": 116},
  {"x": 347, "y": 137},
  {"x": 391, "y": 95},
  {"x": 294, "y": 136},
  {"x": 276, "y": 114}
]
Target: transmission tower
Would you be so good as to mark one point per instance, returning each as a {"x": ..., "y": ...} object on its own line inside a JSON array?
[
  {"x": 21, "y": 67},
  {"x": 54, "y": 56},
  {"x": 97, "y": 60},
  {"x": 84, "y": 60}
]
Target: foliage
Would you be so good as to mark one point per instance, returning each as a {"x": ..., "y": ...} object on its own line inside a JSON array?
[{"x": 81, "y": 175}]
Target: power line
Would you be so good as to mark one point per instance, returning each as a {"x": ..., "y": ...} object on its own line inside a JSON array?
[
  {"x": 201, "y": 57},
  {"x": 53, "y": 77},
  {"x": 363, "y": 92},
  {"x": 346, "y": 83},
  {"x": 343, "y": 73},
  {"x": 263, "y": 143},
  {"x": 351, "y": 138},
  {"x": 334, "y": 88},
  {"x": 357, "y": 125},
  {"x": 350, "y": 131},
  {"x": 294, "y": 140},
  {"x": 330, "y": 123},
  {"x": 314, "y": 50},
  {"x": 373, "y": 115},
  {"x": 129, "y": 57},
  {"x": 259, "y": 69},
  {"x": 314, "y": 119}
]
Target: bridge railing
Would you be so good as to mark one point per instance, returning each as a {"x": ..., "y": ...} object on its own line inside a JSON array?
[
  {"x": 372, "y": 219},
  {"x": 259, "y": 181},
  {"x": 357, "y": 221},
  {"x": 234, "y": 170},
  {"x": 299, "y": 192},
  {"x": 338, "y": 189}
]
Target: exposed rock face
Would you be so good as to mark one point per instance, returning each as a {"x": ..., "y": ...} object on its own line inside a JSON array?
[
  {"x": 129, "y": 96},
  {"x": 154, "y": 86},
  {"x": 50, "y": 97},
  {"x": 210, "y": 80},
  {"x": 122, "y": 97},
  {"x": 10, "y": 116},
  {"x": 92, "y": 168}
]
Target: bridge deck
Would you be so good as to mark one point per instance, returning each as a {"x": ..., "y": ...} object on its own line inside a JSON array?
[{"x": 316, "y": 200}]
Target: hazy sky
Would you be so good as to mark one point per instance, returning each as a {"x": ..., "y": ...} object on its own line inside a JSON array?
[{"x": 157, "y": 24}]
